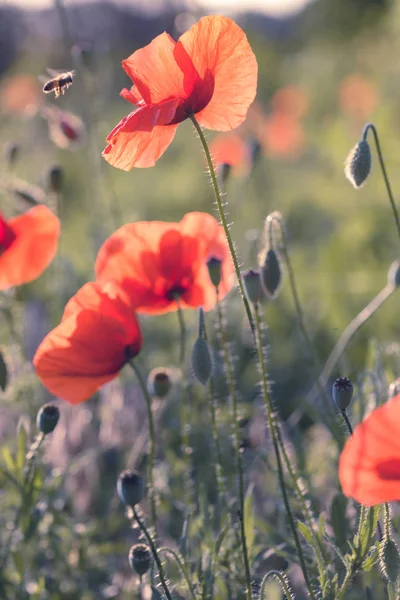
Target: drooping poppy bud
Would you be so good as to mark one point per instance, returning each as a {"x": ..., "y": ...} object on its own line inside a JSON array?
[
  {"x": 159, "y": 382},
  {"x": 130, "y": 487},
  {"x": 342, "y": 392},
  {"x": 47, "y": 418},
  {"x": 358, "y": 164},
  {"x": 140, "y": 559},
  {"x": 271, "y": 274},
  {"x": 394, "y": 273},
  {"x": 389, "y": 559},
  {"x": 253, "y": 287}
]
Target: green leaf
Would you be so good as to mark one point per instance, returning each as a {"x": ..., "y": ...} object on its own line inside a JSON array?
[
  {"x": 249, "y": 520},
  {"x": 371, "y": 558},
  {"x": 305, "y": 532},
  {"x": 3, "y": 373},
  {"x": 8, "y": 459},
  {"x": 21, "y": 445},
  {"x": 339, "y": 520}
]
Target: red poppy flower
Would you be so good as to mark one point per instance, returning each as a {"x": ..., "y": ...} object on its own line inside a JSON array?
[
  {"x": 210, "y": 72},
  {"x": 231, "y": 149},
  {"x": 369, "y": 466},
  {"x": 28, "y": 244},
  {"x": 358, "y": 97},
  {"x": 158, "y": 262},
  {"x": 97, "y": 334},
  {"x": 283, "y": 135}
]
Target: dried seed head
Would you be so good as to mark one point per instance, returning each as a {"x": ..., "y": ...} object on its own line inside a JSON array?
[
  {"x": 358, "y": 164},
  {"x": 55, "y": 179},
  {"x": 389, "y": 559},
  {"x": 271, "y": 274},
  {"x": 47, "y": 418},
  {"x": 214, "y": 270},
  {"x": 253, "y": 287},
  {"x": 130, "y": 487},
  {"x": 342, "y": 392},
  {"x": 140, "y": 559},
  {"x": 201, "y": 360},
  {"x": 394, "y": 274},
  {"x": 159, "y": 382}
]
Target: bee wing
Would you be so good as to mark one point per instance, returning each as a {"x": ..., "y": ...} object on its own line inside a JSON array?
[
  {"x": 43, "y": 78},
  {"x": 58, "y": 72}
]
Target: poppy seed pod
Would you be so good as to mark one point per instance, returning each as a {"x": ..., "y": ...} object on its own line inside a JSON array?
[
  {"x": 159, "y": 382},
  {"x": 394, "y": 274},
  {"x": 390, "y": 559},
  {"x": 47, "y": 418},
  {"x": 342, "y": 392},
  {"x": 130, "y": 487},
  {"x": 201, "y": 360},
  {"x": 214, "y": 270},
  {"x": 271, "y": 274},
  {"x": 253, "y": 287},
  {"x": 140, "y": 559},
  {"x": 358, "y": 164},
  {"x": 55, "y": 179}
]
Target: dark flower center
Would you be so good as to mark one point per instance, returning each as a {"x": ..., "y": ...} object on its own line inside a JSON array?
[{"x": 7, "y": 235}]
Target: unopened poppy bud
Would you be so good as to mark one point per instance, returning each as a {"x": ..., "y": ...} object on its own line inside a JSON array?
[
  {"x": 12, "y": 153},
  {"x": 140, "y": 559},
  {"x": 130, "y": 487},
  {"x": 201, "y": 360},
  {"x": 253, "y": 287},
  {"x": 394, "y": 273},
  {"x": 214, "y": 270},
  {"x": 47, "y": 418},
  {"x": 271, "y": 274},
  {"x": 55, "y": 179},
  {"x": 224, "y": 170},
  {"x": 390, "y": 559},
  {"x": 342, "y": 392},
  {"x": 358, "y": 164},
  {"x": 159, "y": 382}
]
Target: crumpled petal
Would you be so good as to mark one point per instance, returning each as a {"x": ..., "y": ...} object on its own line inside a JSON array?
[
  {"x": 369, "y": 466},
  {"x": 217, "y": 46},
  {"x": 35, "y": 244},
  {"x": 141, "y": 137},
  {"x": 90, "y": 346}
]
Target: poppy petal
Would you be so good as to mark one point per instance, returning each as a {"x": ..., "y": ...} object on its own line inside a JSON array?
[
  {"x": 133, "y": 95},
  {"x": 369, "y": 466},
  {"x": 141, "y": 137},
  {"x": 90, "y": 346},
  {"x": 154, "y": 71},
  {"x": 217, "y": 46},
  {"x": 35, "y": 244}
]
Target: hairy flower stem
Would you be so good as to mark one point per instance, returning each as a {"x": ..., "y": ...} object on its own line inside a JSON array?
[
  {"x": 185, "y": 427},
  {"x": 269, "y": 410},
  {"x": 152, "y": 444},
  {"x": 217, "y": 194},
  {"x": 283, "y": 581},
  {"x": 371, "y": 126},
  {"x": 154, "y": 552},
  {"x": 182, "y": 566},
  {"x": 230, "y": 377}
]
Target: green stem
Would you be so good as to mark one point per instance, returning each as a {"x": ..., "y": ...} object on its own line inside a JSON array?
[
  {"x": 347, "y": 421},
  {"x": 182, "y": 566},
  {"x": 269, "y": 414},
  {"x": 154, "y": 552},
  {"x": 152, "y": 438},
  {"x": 235, "y": 424},
  {"x": 371, "y": 126},
  {"x": 346, "y": 582},
  {"x": 182, "y": 330},
  {"x": 283, "y": 580},
  {"x": 387, "y": 520},
  {"x": 222, "y": 216}
]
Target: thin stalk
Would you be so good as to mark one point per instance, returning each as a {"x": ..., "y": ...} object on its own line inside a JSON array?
[
  {"x": 217, "y": 194},
  {"x": 269, "y": 414},
  {"x": 182, "y": 567},
  {"x": 387, "y": 520},
  {"x": 152, "y": 439},
  {"x": 346, "y": 582},
  {"x": 239, "y": 463},
  {"x": 347, "y": 421},
  {"x": 182, "y": 331},
  {"x": 371, "y": 126},
  {"x": 154, "y": 552}
]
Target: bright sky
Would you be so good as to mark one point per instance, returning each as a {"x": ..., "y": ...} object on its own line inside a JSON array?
[{"x": 273, "y": 7}]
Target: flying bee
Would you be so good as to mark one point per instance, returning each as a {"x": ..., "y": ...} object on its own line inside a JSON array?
[{"x": 59, "y": 83}]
